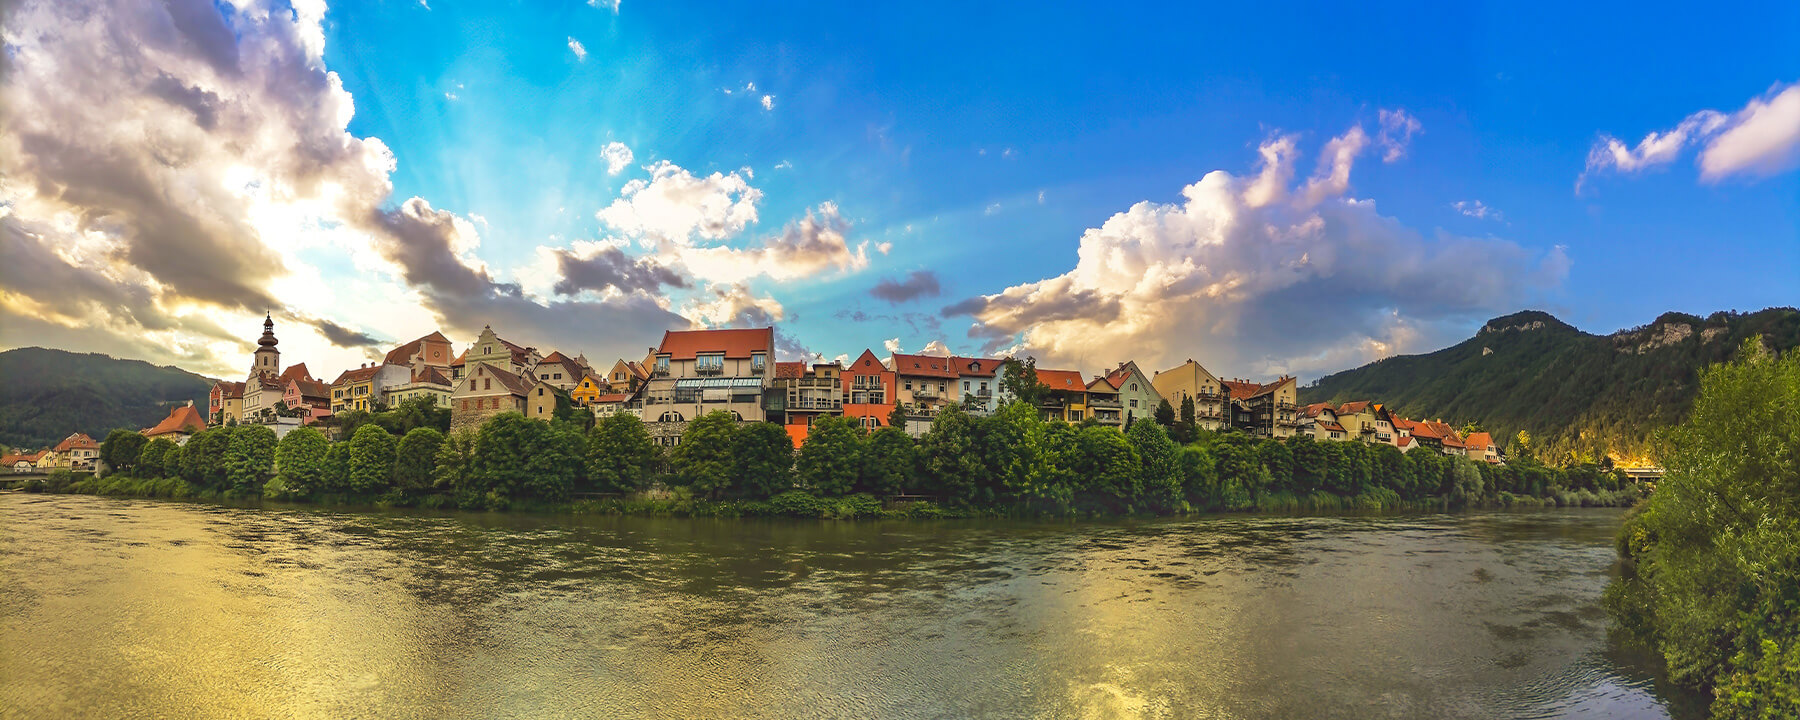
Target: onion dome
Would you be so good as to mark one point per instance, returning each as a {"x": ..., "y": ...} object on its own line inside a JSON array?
[{"x": 268, "y": 336}]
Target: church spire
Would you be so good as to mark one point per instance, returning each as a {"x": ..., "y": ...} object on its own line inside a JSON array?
[{"x": 268, "y": 337}]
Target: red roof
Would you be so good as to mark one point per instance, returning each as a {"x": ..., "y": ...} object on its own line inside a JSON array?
[
  {"x": 357, "y": 374},
  {"x": 1403, "y": 441},
  {"x": 460, "y": 361},
  {"x": 1061, "y": 379},
  {"x": 1479, "y": 440},
  {"x": 685, "y": 344},
  {"x": 1352, "y": 408},
  {"x": 613, "y": 398},
  {"x": 924, "y": 366},
  {"x": 181, "y": 419},
  {"x": 1331, "y": 426},
  {"x": 1241, "y": 390},
  {"x": 984, "y": 367},
  {"x": 570, "y": 367},
  {"x": 312, "y": 389},
  {"x": 77, "y": 441},
  {"x": 403, "y": 355},
  {"x": 431, "y": 376},
  {"x": 230, "y": 390},
  {"x": 1401, "y": 423},
  {"x": 516, "y": 384},
  {"x": 788, "y": 370},
  {"x": 296, "y": 371},
  {"x": 31, "y": 457},
  {"x": 1314, "y": 409}
]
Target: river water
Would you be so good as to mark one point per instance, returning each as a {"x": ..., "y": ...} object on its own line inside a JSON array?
[{"x": 117, "y": 608}]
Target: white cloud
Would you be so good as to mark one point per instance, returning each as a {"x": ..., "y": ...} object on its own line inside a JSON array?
[
  {"x": 733, "y": 305},
  {"x": 892, "y": 345},
  {"x": 938, "y": 348},
  {"x": 1761, "y": 139},
  {"x": 883, "y": 248},
  {"x": 812, "y": 245},
  {"x": 1310, "y": 282},
  {"x": 617, "y": 157},
  {"x": 676, "y": 206},
  {"x": 449, "y": 96},
  {"x": 1007, "y": 153},
  {"x": 612, "y": 5},
  {"x": 1040, "y": 197},
  {"x": 1397, "y": 129},
  {"x": 768, "y": 102},
  {"x": 784, "y": 165},
  {"x": 1476, "y": 209},
  {"x": 576, "y": 47},
  {"x": 991, "y": 209}
]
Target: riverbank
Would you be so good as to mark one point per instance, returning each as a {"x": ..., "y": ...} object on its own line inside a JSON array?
[{"x": 680, "y": 502}]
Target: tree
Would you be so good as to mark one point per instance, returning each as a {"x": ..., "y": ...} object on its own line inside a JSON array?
[
  {"x": 151, "y": 458},
  {"x": 1279, "y": 461},
  {"x": 1020, "y": 380},
  {"x": 415, "y": 461},
  {"x": 762, "y": 461},
  {"x": 1010, "y": 446},
  {"x": 300, "y": 460},
  {"x": 455, "y": 463},
  {"x": 831, "y": 459},
  {"x": 951, "y": 465},
  {"x": 1156, "y": 454},
  {"x": 1521, "y": 448},
  {"x": 1311, "y": 463},
  {"x": 203, "y": 460},
  {"x": 1199, "y": 478},
  {"x": 890, "y": 463},
  {"x": 120, "y": 449},
  {"x": 371, "y": 459},
  {"x": 518, "y": 457},
  {"x": 250, "y": 457},
  {"x": 897, "y": 417},
  {"x": 337, "y": 467},
  {"x": 703, "y": 459},
  {"x": 1165, "y": 414},
  {"x": 1108, "y": 473},
  {"x": 1188, "y": 428},
  {"x": 621, "y": 456}
]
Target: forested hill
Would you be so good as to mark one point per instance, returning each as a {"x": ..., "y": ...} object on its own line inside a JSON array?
[
  {"x": 47, "y": 394},
  {"x": 1592, "y": 395}
]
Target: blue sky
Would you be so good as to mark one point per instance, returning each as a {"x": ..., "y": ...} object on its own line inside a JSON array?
[{"x": 978, "y": 145}]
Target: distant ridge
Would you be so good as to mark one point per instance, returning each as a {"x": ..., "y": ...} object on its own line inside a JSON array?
[
  {"x": 1591, "y": 395},
  {"x": 46, "y": 394}
]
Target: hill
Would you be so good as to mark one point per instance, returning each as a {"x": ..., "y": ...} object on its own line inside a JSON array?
[
  {"x": 1590, "y": 395},
  {"x": 47, "y": 394}
]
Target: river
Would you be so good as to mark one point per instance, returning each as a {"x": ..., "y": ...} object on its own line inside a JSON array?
[{"x": 117, "y": 608}]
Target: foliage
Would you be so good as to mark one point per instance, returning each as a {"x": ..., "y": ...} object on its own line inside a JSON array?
[
  {"x": 1161, "y": 476},
  {"x": 336, "y": 477},
  {"x": 455, "y": 462},
  {"x": 1712, "y": 563},
  {"x": 300, "y": 462},
  {"x": 51, "y": 393},
  {"x": 1165, "y": 414},
  {"x": 1019, "y": 379},
  {"x": 890, "y": 463},
  {"x": 621, "y": 456},
  {"x": 371, "y": 467},
  {"x": 762, "y": 461},
  {"x": 250, "y": 457},
  {"x": 203, "y": 457},
  {"x": 120, "y": 449},
  {"x": 415, "y": 461},
  {"x": 399, "y": 420},
  {"x": 951, "y": 465},
  {"x": 152, "y": 458},
  {"x": 831, "y": 459},
  {"x": 703, "y": 459},
  {"x": 897, "y": 417},
  {"x": 1010, "y": 446},
  {"x": 516, "y": 457},
  {"x": 1187, "y": 428}
]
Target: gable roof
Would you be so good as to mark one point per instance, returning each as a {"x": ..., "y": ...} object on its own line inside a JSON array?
[
  {"x": 357, "y": 374},
  {"x": 77, "y": 441},
  {"x": 936, "y": 366},
  {"x": 1101, "y": 384},
  {"x": 1315, "y": 409},
  {"x": 1061, "y": 379},
  {"x": 685, "y": 344},
  {"x": 229, "y": 390},
  {"x": 1352, "y": 408},
  {"x": 296, "y": 371},
  {"x": 312, "y": 389},
  {"x": 1244, "y": 389},
  {"x": 1479, "y": 440},
  {"x": 1332, "y": 427},
  {"x": 613, "y": 398},
  {"x": 431, "y": 375},
  {"x": 462, "y": 358},
  {"x": 568, "y": 364},
  {"x": 403, "y": 355},
  {"x": 181, "y": 419},
  {"x": 519, "y": 385},
  {"x": 983, "y": 367},
  {"x": 1403, "y": 441}
]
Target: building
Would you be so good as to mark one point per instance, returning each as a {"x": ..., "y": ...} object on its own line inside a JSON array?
[
  {"x": 308, "y": 400},
  {"x": 77, "y": 452},
  {"x": 1191, "y": 381},
  {"x": 429, "y": 383},
  {"x": 431, "y": 351},
  {"x": 540, "y": 403},
  {"x": 869, "y": 390},
  {"x": 365, "y": 388},
  {"x": 1480, "y": 446},
  {"x": 626, "y": 375},
  {"x": 1367, "y": 421},
  {"x": 495, "y": 350},
  {"x": 1138, "y": 397},
  {"x": 1103, "y": 402},
  {"x": 183, "y": 421},
  {"x": 1067, "y": 398},
  {"x": 695, "y": 372},
  {"x": 801, "y": 394},
  {"x": 563, "y": 372},
  {"x": 20, "y": 463},
  {"x": 928, "y": 383},
  {"x": 1265, "y": 409},
  {"x": 225, "y": 403},
  {"x": 266, "y": 386},
  {"x": 612, "y": 404},
  {"x": 486, "y": 390},
  {"x": 980, "y": 383}
]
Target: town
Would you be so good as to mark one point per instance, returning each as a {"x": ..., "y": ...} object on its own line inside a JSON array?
[{"x": 694, "y": 372}]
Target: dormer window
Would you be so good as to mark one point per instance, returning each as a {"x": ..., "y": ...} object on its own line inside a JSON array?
[
  {"x": 711, "y": 364},
  {"x": 757, "y": 362}
]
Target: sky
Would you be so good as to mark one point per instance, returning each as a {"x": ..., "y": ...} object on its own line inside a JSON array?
[{"x": 1268, "y": 188}]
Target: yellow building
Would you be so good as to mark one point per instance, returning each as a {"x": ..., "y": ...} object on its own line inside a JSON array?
[
  {"x": 589, "y": 390},
  {"x": 1190, "y": 380},
  {"x": 1067, "y": 399}
]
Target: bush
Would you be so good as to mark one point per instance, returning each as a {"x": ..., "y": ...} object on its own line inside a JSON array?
[
  {"x": 371, "y": 459},
  {"x": 797, "y": 503}
]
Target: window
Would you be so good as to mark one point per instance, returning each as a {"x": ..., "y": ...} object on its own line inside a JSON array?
[
  {"x": 757, "y": 362},
  {"x": 709, "y": 364},
  {"x": 540, "y": 392},
  {"x": 670, "y": 417},
  {"x": 1134, "y": 389},
  {"x": 909, "y": 384},
  {"x": 871, "y": 423},
  {"x": 736, "y": 416},
  {"x": 1134, "y": 402},
  {"x": 487, "y": 383},
  {"x": 662, "y": 364}
]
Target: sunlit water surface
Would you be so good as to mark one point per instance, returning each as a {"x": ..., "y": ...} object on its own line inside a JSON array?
[{"x": 114, "y": 608}]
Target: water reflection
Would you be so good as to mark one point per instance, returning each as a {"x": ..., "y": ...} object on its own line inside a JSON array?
[{"x": 113, "y": 608}]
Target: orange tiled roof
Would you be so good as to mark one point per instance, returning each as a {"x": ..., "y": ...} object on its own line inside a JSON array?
[
  {"x": 461, "y": 358},
  {"x": 357, "y": 374},
  {"x": 1403, "y": 441},
  {"x": 296, "y": 371},
  {"x": 789, "y": 370},
  {"x": 924, "y": 366},
  {"x": 1314, "y": 409},
  {"x": 403, "y": 355},
  {"x": 181, "y": 419},
  {"x": 1061, "y": 379},
  {"x": 685, "y": 344},
  {"x": 312, "y": 389},
  {"x": 983, "y": 367},
  {"x": 569, "y": 366},
  {"x": 77, "y": 441},
  {"x": 1479, "y": 440},
  {"x": 613, "y": 398},
  {"x": 431, "y": 375},
  {"x": 1331, "y": 426},
  {"x": 230, "y": 390},
  {"x": 1241, "y": 390},
  {"x": 1352, "y": 408}
]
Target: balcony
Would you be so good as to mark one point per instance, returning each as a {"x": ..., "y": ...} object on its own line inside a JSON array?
[
  {"x": 1103, "y": 402},
  {"x": 659, "y": 373},
  {"x": 925, "y": 392},
  {"x": 814, "y": 404},
  {"x": 983, "y": 393},
  {"x": 709, "y": 369}
]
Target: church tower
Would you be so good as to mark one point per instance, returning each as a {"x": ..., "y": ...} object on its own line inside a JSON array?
[{"x": 268, "y": 359}]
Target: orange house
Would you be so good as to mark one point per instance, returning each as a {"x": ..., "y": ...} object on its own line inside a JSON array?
[{"x": 869, "y": 391}]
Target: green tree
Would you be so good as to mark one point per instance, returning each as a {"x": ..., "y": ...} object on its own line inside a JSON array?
[
  {"x": 1199, "y": 477},
  {"x": 456, "y": 463},
  {"x": 1020, "y": 380},
  {"x": 951, "y": 464},
  {"x": 1279, "y": 461},
  {"x": 1187, "y": 429},
  {"x": 1311, "y": 463},
  {"x": 1010, "y": 447},
  {"x": 831, "y": 458},
  {"x": 1712, "y": 564},
  {"x": 897, "y": 418},
  {"x": 337, "y": 467},
  {"x": 250, "y": 457},
  {"x": 1165, "y": 414},
  {"x": 371, "y": 459},
  {"x": 415, "y": 461},
  {"x": 1108, "y": 471},
  {"x": 203, "y": 460},
  {"x": 1161, "y": 476},
  {"x": 703, "y": 459},
  {"x": 762, "y": 461},
  {"x": 152, "y": 457},
  {"x": 890, "y": 463},
  {"x": 300, "y": 460},
  {"x": 621, "y": 456},
  {"x": 120, "y": 449}
]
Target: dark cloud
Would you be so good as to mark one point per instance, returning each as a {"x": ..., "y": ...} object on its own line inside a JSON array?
[
  {"x": 612, "y": 268},
  {"x": 971, "y": 306},
  {"x": 345, "y": 337},
  {"x": 918, "y": 284}
]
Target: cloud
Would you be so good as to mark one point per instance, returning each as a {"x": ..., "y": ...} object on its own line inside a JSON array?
[
  {"x": 892, "y": 345},
  {"x": 883, "y": 248},
  {"x": 580, "y": 50},
  {"x": 814, "y": 244},
  {"x": 612, "y": 5},
  {"x": 733, "y": 305},
  {"x": 920, "y": 283},
  {"x": 1397, "y": 129},
  {"x": 768, "y": 102},
  {"x": 1759, "y": 140},
  {"x": 674, "y": 205},
  {"x": 599, "y": 268},
  {"x": 345, "y": 337},
  {"x": 617, "y": 157},
  {"x": 991, "y": 209},
  {"x": 1311, "y": 280},
  {"x": 938, "y": 348},
  {"x": 1476, "y": 209}
]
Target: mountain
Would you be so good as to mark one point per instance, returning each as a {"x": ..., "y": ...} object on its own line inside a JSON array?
[
  {"x": 1590, "y": 395},
  {"x": 47, "y": 394}
]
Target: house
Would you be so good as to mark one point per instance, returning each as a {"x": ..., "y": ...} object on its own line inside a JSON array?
[
  {"x": 1191, "y": 381},
  {"x": 77, "y": 452},
  {"x": 1103, "y": 402},
  {"x": 308, "y": 400},
  {"x": 225, "y": 403},
  {"x": 1438, "y": 436},
  {"x": 430, "y": 383},
  {"x": 980, "y": 379},
  {"x": 562, "y": 371},
  {"x": 431, "y": 351},
  {"x": 1319, "y": 419},
  {"x": 20, "y": 463},
  {"x": 49, "y": 459},
  {"x": 266, "y": 385},
  {"x": 1367, "y": 421},
  {"x": 540, "y": 403},
  {"x": 183, "y": 421},
  {"x": 626, "y": 375},
  {"x": 1265, "y": 409},
  {"x": 493, "y": 349},
  {"x": 869, "y": 391},
  {"x": 486, "y": 390},
  {"x": 1480, "y": 446},
  {"x": 1067, "y": 399},
  {"x": 614, "y": 403},
  {"x": 802, "y": 395},
  {"x": 928, "y": 383},
  {"x": 366, "y": 387},
  {"x": 695, "y": 372},
  {"x": 1138, "y": 397}
]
